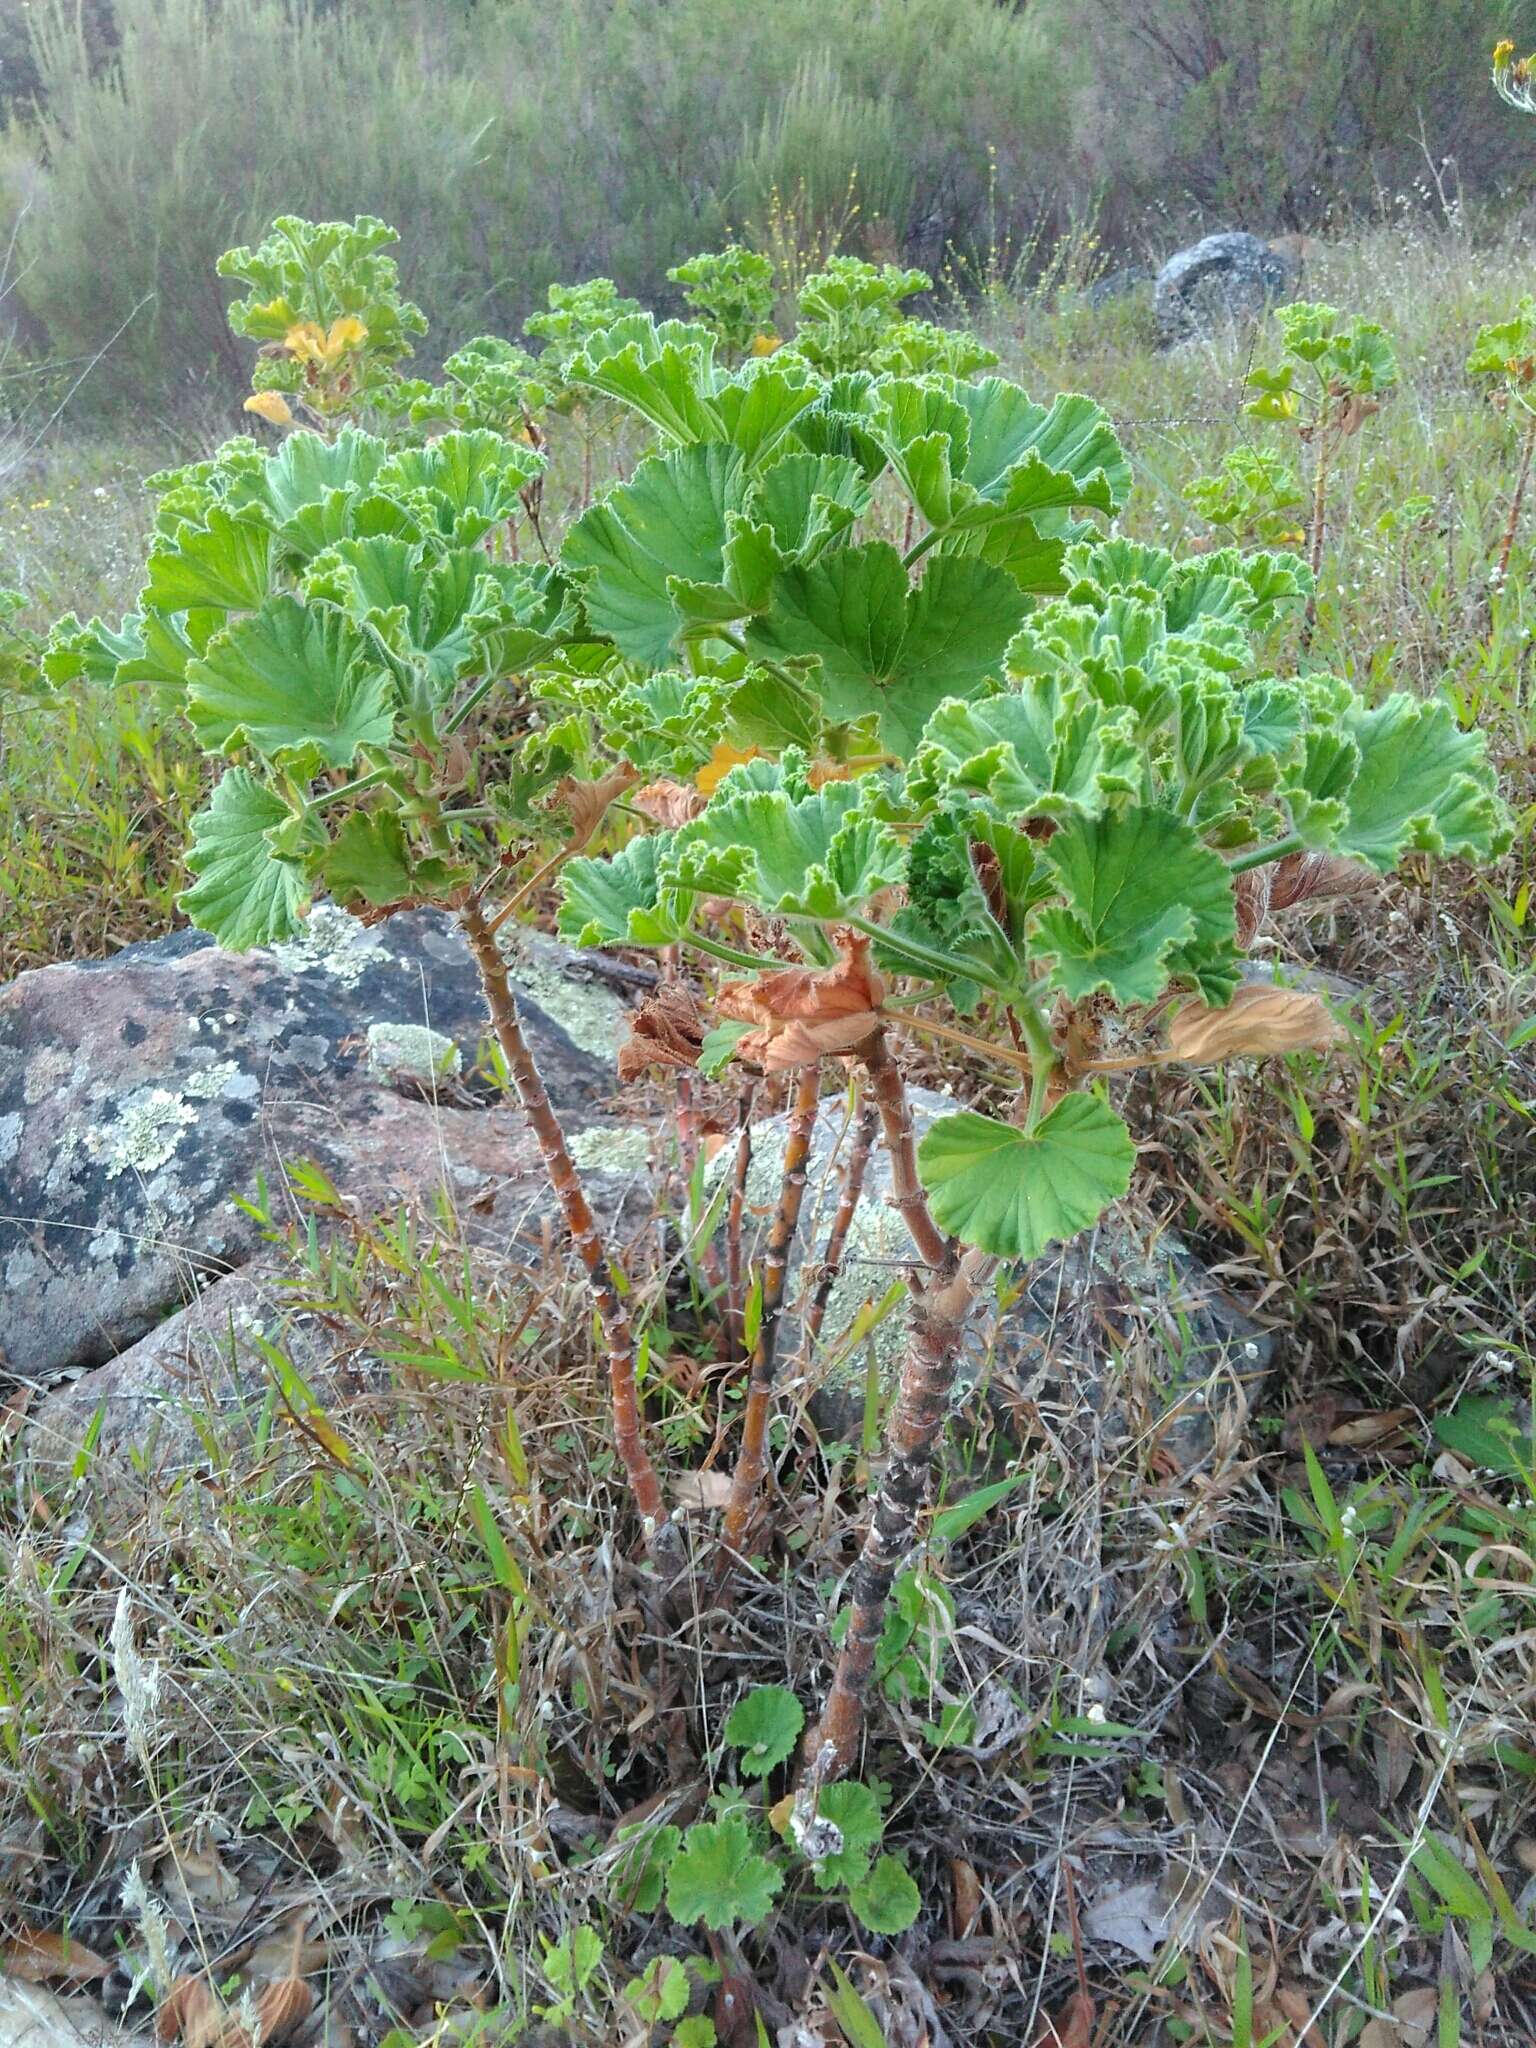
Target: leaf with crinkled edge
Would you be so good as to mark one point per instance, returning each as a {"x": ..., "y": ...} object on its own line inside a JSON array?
[
  {"x": 297, "y": 684},
  {"x": 666, "y": 722},
  {"x": 241, "y": 892},
  {"x": 1040, "y": 751},
  {"x": 368, "y": 860},
  {"x": 1146, "y": 901},
  {"x": 470, "y": 481},
  {"x": 306, "y": 493},
  {"x": 854, "y": 1810},
  {"x": 417, "y": 601},
  {"x": 663, "y": 371},
  {"x": 819, "y": 855},
  {"x": 90, "y": 652},
  {"x": 841, "y": 422},
  {"x": 718, "y": 1876},
  {"x": 1316, "y": 784},
  {"x": 887, "y": 649},
  {"x": 169, "y": 645},
  {"x": 761, "y": 405},
  {"x": 926, "y": 436},
  {"x": 1012, "y": 1192},
  {"x": 224, "y": 565},
  {"x": 1423, "y": 785},
  {"x": 523, "y": 613},
  {"x": 620, "y": 899},
  {"x": 1272, "y": 714},
  {"x": 1064, "y": 455},
  {"x": 808, "y": 502},
  {"x": 668, "y": 522}
]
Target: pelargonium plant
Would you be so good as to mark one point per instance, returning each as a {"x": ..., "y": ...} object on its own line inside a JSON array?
[{"x": 1017, "y": 784}]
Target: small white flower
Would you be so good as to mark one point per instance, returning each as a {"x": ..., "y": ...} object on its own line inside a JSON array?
[{"x": 1096, "y": 1714}]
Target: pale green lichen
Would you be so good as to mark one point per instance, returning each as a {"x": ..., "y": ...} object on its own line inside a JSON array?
[
  {"x": 613, "y": 1148},
  {"x": 411, "y": 1052},
  {"x": 332, "y": 942},
  {"x": 588, "y": 1014},
  {"x": 222, "y": 1078},
  {"x": 149, "y": 1127}
]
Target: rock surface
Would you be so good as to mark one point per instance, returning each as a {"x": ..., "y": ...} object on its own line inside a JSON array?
[
  {"x": 1224, "y": 280},
  {"x": 140, "y": 1097}
]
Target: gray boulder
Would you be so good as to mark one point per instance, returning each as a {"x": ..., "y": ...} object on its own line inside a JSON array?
[
  {"x": 1224, "y": 281},
  {"x": 142, "y": 1096}
]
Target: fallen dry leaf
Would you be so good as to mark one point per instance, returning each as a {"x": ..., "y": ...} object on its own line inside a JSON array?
[
  {"x": 1070, "y": 2027},
  {"x": 967, "y": 1896},
  {"x": 801, "y": 1014},
  {"x": 669, "y": 803},
  {"x": 36, "y": 1955},
  {"x": 666, "y": 1031},
  {"x": 701, "y": 1489},
  {"x": 1258, "y": 1020}
]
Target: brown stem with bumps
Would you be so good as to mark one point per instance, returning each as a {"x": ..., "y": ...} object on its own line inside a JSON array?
[
  {"x": 890, "y": 1097},
  {"x": 661, "y": 1532},
  {"x": 1506, "y": 546},
  {"x": 842, "y": 1222},
  {"x": 922, "y": 1400},
  {"x": 752, "y": 1458}
]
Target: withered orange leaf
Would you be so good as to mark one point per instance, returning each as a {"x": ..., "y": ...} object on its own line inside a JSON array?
[
  {"x": 36, "y": 1955},
  {"x": 723, "y": 758},
  {"x": 802, "y": 1014},
  {"x": 587, "y": 802},
  {"x": 670, "y": 803},
  {"x": 1258, "y": 1020},
  {"x": 1296, "y": 879},
  {"x": 666, "y": 1031}
]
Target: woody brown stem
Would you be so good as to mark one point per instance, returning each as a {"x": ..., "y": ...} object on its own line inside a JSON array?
[
  {"x": 1527, "y": 450},
  {"x": 922, "y": 1400},
  {"x": 890, "y": 1098},
  {"x": 752, "y": 1458},
  {"x": 837, "y": 1237},
  {"x": 613, "y": 1317}
]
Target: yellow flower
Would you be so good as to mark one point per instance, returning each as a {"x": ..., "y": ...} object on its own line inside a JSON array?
[
  {"x": 1502, "y": 52},
  {"x": 270, "y": 406},
  {"x": 347, "y": 332},
  {"x": 306, "y": 341},
  {"x": 765, "y": 344}
]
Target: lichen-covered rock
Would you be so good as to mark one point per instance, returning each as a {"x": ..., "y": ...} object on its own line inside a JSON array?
[
  {"x": 141, "y": 1096},
  {"x": 1224, "y": 280},
  {"x": 1121, "y": 1294}
]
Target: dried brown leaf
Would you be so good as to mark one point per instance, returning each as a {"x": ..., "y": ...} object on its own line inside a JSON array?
[
  {"x": 586, "y": 803},
  {"x": 37, "y": 1955},
  {"x": 666, "y": 1031},
  {"x": 1296, "y": 879},
  {"x": 1258, "y": 1020},
  {"x": 1070, "y": 2027},
  {"x": 801, "y": 1014},
  {"x": 670, "y": 803}
]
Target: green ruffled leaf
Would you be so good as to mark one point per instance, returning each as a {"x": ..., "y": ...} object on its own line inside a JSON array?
[
  {"x": 764, "y": 1725},
  {"x": 1145, "y": 901},
  {"x": 224, "y": 565},
  {"x": 620, "y": 900},
  {"x": 242, "y": 893},
  {"x": 719, "y": 1877},
  {"x": 887, "y": 649},
  {"x": 887, "y": 1901},
  {"x": 854, "y": 1810},
  {"x": 1423, "y": 785},
  {"x": 295, "y": 683},
  {"x": 1013, "y": 1193},
  {"x": 368, "y": 860},
  {"x": 818, "y": 856},
  {"x": 469, "y": 482},
  {"x": 1040, "y": 752}
]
